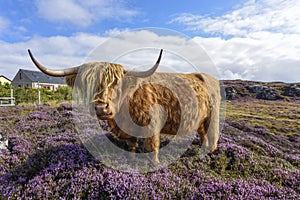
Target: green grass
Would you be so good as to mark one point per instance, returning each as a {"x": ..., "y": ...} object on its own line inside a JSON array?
[{"x": 281, "y": 117}]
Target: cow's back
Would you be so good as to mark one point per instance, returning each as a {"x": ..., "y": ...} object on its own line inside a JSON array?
[{"x": 188, "y": 109}]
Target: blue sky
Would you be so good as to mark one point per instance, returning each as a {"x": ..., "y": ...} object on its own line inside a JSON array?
[
  {"x": 28, "y": 18},
  {"x": 246, "y": 39}
]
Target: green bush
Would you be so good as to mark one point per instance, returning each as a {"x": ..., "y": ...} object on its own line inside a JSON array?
[
  {"x": 29, "y": 95},
  {"x": 5, "y": 89}
]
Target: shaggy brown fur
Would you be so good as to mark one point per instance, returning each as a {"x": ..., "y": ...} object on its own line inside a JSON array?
[{"x": 108, "y": 87}]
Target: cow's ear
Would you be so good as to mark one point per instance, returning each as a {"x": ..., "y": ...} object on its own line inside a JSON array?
[{"x": 70, "y": 80}]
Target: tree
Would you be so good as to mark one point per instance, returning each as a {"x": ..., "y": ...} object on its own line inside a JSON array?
[{"x": 5, "y": 89}]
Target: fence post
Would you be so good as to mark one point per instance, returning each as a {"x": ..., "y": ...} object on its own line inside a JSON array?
[
  {"x": 39, "y": 93},
  {"x": 12, "y": 100}
]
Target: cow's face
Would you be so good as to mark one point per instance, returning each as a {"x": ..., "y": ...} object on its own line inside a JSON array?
[
  {"x": 109, "y": 101},
  {"x": 103, "y": 104},
  {"x": 103, "y": 90},
  {"x": 96, "y": 83},
  {"x": 105, "y": 93}
]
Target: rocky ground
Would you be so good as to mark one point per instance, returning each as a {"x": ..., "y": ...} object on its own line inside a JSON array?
[
  {"x": 237, "y": 89},
  {"x": 258, "y": 155}
]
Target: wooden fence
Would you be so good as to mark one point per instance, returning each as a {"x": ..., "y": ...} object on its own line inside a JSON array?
[{"x": 8, "y": 101}]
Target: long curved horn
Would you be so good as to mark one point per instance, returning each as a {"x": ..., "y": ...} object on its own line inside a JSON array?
[
  {"x": 147, "y": 73},
  {"x": 51, "y": 72}
]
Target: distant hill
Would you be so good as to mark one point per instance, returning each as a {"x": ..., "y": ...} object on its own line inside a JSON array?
[{"x": 236, "y": 89}]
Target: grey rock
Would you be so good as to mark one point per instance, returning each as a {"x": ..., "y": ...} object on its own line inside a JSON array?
[
  {"x": 231, "y": 93},
  {"x": 291, "y": 90},
  {"x": 264, "y": 92},
  {"x": 256, "y": 88},
  {"x": 3, "y": 141},
  {"x": 268, "y": 94}
]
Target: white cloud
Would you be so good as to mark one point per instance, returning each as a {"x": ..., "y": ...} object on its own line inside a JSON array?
[
  {"x": 236, "y": 58},
  {"x": 67, "y": 10},
  {"x": 137, "y": 49},
  {"x": 258, "y": 40},
  {"x": 83, "y": 13},
  {"x": 4, "y": 23},
  {"x": 254, "y": 16},
  {"x": 273, "y": 58},
  {"x": 115, "y": 32},
  {"x": 179, "y": 51},
  {"x": 56, "y": 52}
]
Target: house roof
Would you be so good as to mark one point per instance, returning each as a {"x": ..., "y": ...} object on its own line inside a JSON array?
[
  {"x": 36, "y": 76},
  {"x": 5, "y": 77}
]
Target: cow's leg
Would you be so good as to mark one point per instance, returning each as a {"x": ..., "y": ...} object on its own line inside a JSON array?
[
  {"x": 213, "y": 129},
  {"x": 209, "y": 134},
  {"x": 202, "y": 132},
  {"x": 133, "y": 145},
  {"x": 152, "y": 145}
]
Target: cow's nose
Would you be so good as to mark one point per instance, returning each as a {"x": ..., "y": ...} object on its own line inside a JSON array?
[{"x": 102, "y": 109}]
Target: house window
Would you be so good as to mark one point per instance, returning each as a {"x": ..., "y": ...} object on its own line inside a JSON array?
[{"x": 20, "y": 76}]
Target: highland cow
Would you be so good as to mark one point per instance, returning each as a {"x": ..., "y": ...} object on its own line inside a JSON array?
[{"x": 113, "y": 90}]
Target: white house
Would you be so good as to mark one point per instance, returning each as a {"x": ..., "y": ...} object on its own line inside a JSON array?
[
  {"x": 31, "y": 79},
  {"x": 4, "y": 80}
]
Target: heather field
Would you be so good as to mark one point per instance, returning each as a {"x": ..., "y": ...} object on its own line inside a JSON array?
[{"x": 258, "y": 157}]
